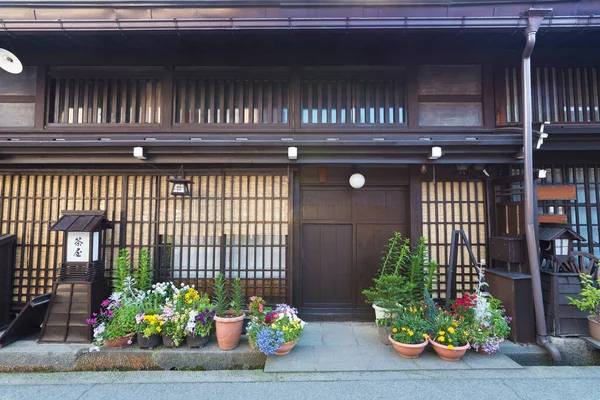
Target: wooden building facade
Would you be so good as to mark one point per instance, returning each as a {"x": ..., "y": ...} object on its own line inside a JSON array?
[{"x": 224, "y": 90}]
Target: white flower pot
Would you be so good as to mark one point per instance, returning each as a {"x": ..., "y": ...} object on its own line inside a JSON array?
[{"x": 381, "y": 312}]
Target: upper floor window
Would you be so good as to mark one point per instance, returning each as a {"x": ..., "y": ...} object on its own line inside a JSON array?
[
  {"x": 99, "y": 98},
  {"x": 344, "y": 99},
  {"x": 213, "y": 99}
]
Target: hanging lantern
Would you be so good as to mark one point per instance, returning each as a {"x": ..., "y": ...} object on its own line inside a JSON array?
[{"x": 180, "y": 184}]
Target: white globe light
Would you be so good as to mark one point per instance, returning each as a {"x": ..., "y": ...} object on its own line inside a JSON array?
[{"x": 357, "y": 181}]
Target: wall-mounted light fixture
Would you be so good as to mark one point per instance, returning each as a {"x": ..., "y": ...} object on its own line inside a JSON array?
[
  {"x": 180, "y": 184},
  {"x": 435, "y": 153},
  {"x": 138, "y": 152},
  {"x": 292, "y": 153},
  {"x": 357, "y": 180}
]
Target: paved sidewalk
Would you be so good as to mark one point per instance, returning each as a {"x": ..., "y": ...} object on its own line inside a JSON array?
[
  {"x": 548, "y": 383},
  {"x": 353, "y": 346}
]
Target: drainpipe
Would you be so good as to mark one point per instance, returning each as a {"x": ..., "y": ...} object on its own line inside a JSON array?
[{"x": 534, "y": 19}]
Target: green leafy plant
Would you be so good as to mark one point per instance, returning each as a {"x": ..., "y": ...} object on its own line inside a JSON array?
[
  {"x": 410, "y": 327},
  {"x": 123, "y": 270},
  {"x": 590, "y": 296},
  {"x": 143, "y": 273},
  {"x": 122, "y": 322},
  {"x": 237, "y": 297},
  {"x": 219, "y": 289},
  {"x": 389, "y": 291}
]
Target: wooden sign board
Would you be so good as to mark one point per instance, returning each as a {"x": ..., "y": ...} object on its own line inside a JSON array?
[
  {"x": 556, "y": 192},
  {"x": 552, "y": 219}
]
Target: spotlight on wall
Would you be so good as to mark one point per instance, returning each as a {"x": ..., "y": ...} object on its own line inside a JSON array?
[
  {"x": 138, "y": 152},
  {"x": 292, "y": 153},
  {"x": 540, "y": 140},
  {"x": 9, "y": 62},
  {"x": 542, "y": 174},
  {"x": 435, "y": 153}
]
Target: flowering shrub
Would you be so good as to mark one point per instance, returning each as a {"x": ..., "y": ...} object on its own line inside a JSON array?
[
  {"x": 409, "y": 327},
  {"x": 449, "y": 331},
  {"x": 200, "y": 321},
  {"x": 122, "y": 321},
  {"x": 268, "y": 330},
  {"x": 148, "y": 325},
  {"x": 269, "y": 340}
]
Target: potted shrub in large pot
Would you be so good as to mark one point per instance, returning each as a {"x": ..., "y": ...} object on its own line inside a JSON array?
[
  {"x": 590, "y": 302},
  {"x": 449, "y": 337},
  {"x": 228, "y": 321}
]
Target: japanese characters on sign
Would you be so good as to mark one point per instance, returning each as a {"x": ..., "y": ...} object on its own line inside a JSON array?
[{"x": 78, "y": 247}]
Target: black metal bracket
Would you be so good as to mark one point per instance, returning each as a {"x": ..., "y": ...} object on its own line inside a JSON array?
[{"x": 451, "y": 272}]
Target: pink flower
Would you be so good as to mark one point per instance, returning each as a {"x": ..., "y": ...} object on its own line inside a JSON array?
[
  {"x": 260, "y": 308},
  {"x": 129, "y": 341}
]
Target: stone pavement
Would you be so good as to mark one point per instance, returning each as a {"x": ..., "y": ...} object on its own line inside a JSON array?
[
  {"x": 548, "y": 383},
  {"x": 355, "y": 346}
]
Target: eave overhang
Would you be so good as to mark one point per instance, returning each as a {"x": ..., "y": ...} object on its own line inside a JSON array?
[
  {"x": 130, "y": 16},
  {"x": 244, "y": 149}
]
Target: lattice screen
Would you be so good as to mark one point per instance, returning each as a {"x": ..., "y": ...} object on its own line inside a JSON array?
[
  {"x": 448, "y": 206},
  {"x": 237, "y": 224},
  {"x": 30, "y": 204}
]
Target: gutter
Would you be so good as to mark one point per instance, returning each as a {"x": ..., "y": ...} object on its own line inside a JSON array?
[
  {"x": 284, "y": 24},
  {"x": 534, "y": 20}
]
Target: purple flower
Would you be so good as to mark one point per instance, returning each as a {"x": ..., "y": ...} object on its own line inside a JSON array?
[
  {"x": 105, "y": 303},
  {"x": 91, "y": 321}
]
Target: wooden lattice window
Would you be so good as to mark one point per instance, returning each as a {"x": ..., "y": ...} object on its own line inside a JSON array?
[
  {"x": 361, "y": 101},
  {"x": 31, "y": 203},
  {"x": 90, "y": 100},
  {"x": 448, "y": 206},
  {"x": 230, "y": 101},
  {"x": 559, "y": 95}
]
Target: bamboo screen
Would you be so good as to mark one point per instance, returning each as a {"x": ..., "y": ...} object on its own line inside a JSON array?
[
  {"x": 102, "y": 101},
  {"x": 236, "y": 224},
  {"x": 448, "y": 206},
  {"x": 231, "y": 101},
  {"x": 559, "y": 94},
  {"x": 353, "y": 101}
]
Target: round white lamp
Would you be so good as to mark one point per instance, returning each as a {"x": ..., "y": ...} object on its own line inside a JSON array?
[{"x": 357, "y": 180}]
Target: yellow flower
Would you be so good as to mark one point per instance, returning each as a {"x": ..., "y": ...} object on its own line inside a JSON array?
[
  {"x": 441, "y": 333},
  {"x": 425, "y": 335},
  {"x": 450, "y": 347},
  {"x": 451, "y": 330},
  {"x": 450, "y": 340},
  {"x": 441, "y": 339},
  {"x": 455, "y": 323},
  {"x": 158, "y": 328},
  {"x": 410, "y": 333},
  {"x": 395, "y": 330},
  {"x": 466, "y": 333},
  {"x": 403, "y": 329}
]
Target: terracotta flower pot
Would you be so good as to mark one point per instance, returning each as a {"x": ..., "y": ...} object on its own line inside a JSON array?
[
  {"x": 408, "y": 350},
  {"x": 120, "y": 342},
  {"x": 447, "y": 354},
  {"x": 285, "y": 348},
  {"x": 594, "y": 327},
  {"x": 229, "y": 330},
  {"x": 197, "y": 342},
  {"x": 148, "y": 343}
]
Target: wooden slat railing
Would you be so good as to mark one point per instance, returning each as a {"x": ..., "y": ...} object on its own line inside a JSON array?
[
  {"x": 230, "y": 101},
  {"x": 559, "y": 95},
  {"x": 104, "y": 101},
  {"x": 353, "y": 101}
]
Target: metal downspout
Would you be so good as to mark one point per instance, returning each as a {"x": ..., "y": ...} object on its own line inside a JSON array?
[{"x": 534, "y": 19}]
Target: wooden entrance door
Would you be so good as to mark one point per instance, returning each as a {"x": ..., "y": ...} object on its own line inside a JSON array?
[
  {"x": 327, "y": 266},
  {"x": 343, "y": 234}
]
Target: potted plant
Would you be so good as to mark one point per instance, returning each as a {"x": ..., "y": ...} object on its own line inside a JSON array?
[
  {"x": 120, "y": 328},
  {"x": 280, "y": 332},
  {"x": 148, "y": 325},
  {"x": 409, "y": 333},
  {"x": 258, "y": 314},
  {"x": 404, "y": 278},
  {"x": 228, "y": 322},
  {"x": 199, "y": 322},
  {"x": 590, "y": 302},
  {"x": 449, "y": 337}
]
